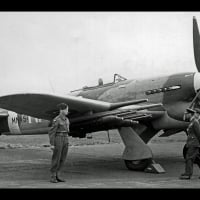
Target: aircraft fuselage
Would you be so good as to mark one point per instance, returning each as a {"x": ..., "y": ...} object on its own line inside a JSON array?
[{"x": 175, "y": 92}]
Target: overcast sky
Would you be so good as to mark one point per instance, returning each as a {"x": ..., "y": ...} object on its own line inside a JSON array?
[{"x": 63, "y": 51}]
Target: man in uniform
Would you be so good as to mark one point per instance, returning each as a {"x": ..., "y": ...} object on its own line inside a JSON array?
[
  {"x": 193, "y": 142},
  {"x": 58, "y": 135}
]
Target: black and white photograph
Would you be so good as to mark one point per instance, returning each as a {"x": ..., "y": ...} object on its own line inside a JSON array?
[{"x": 99, "y": 99}]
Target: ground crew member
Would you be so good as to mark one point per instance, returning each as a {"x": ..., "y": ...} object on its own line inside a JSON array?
[
  {"x": 58, "y": 135},
  {"x": 193, "y": 143}
]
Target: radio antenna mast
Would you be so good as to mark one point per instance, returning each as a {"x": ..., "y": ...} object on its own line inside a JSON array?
[{"x": 50, "y": 83}]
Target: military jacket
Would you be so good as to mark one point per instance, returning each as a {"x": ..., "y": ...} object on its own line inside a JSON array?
[
  {"x": 59, "y": 124},
  {"x": 193, "y": 130}
]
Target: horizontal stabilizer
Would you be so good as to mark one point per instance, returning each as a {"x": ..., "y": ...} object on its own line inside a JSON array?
[{"x": 3, "y": 113}]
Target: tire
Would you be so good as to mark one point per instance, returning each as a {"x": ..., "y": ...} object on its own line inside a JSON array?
[
  {"x": 197, "y": 160},
  {"x": 137, "y": 165}
]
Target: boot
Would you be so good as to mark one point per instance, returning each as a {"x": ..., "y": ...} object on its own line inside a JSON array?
[
  {"x": 53, "y": 179},
  {"x": 59, "y": 178}
]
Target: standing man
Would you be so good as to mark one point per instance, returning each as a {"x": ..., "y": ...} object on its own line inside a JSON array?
[
  {"x": 193, "y": 142},
  {"x": 58, "y": 135}
]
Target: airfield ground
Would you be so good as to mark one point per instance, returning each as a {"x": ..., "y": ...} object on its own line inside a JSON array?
[{"x": 91, "y": 163}]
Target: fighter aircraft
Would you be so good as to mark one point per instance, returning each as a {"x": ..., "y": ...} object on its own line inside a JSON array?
[{"x": 138, "y": 109}]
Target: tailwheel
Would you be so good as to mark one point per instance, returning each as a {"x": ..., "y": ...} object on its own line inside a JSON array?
[
  {"x": 137, "y": 165},
  {"x": 185, "y": 149}
]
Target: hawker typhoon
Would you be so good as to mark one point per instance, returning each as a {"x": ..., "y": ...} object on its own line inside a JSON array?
[{"x": 138, "y": 109}]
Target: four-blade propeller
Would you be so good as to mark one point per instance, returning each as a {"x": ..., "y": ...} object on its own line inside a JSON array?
[{"x": 196, "y": 43}]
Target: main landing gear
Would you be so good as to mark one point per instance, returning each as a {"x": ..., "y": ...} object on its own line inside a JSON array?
[{"x": 137, "y": 155}]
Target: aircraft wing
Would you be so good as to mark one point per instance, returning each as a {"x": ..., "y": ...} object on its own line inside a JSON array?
[
  {"x": 41, "y": 105},
  {"x": 44, "y": 105}
]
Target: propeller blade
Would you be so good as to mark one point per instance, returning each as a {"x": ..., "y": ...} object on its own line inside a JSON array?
[
  {"x": 196, "y": 98},
  {"x": 196, "y": 43}
]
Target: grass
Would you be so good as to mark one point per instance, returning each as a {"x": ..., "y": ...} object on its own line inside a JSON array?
[{"x": 18, "y": 141}]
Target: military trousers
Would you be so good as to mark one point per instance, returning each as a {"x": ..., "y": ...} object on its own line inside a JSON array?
[
  {"x": 191, "y": 155},
  {"x": 59, "y": 154}
]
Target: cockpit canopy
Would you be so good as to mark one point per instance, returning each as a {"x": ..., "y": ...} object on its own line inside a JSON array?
[{"x": 117, "y": 78}]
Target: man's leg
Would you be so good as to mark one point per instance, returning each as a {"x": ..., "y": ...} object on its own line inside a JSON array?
[
  {"x": 188, "y": 167},
  {"x": 197, "y": 158},
  {"x": 63, "y": 158},
  {"x": 55, "y": 162},
  {"x": 190, "y": 157}
]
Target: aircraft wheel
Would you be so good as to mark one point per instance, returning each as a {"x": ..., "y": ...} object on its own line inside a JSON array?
[
  {"x": 197, "y": 160},
  {"x": 137, "y": 165}
]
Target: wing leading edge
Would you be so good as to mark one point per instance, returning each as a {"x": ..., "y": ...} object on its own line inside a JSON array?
[{"x": 44, "y": 105}]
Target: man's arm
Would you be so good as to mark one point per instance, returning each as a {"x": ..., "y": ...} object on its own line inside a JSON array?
[
  {"x": 52, "y": 131},
  {"x": 196, "y": 126},
  {"x": 68, "y": 123}
]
